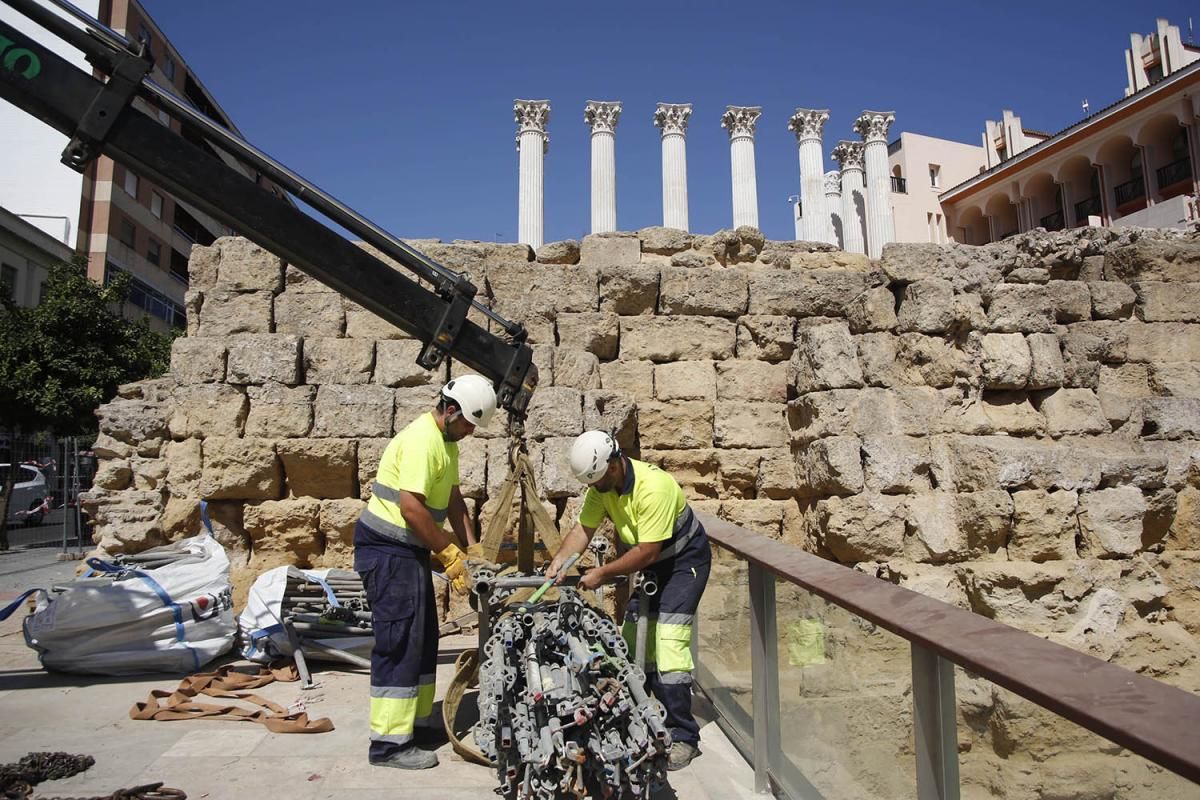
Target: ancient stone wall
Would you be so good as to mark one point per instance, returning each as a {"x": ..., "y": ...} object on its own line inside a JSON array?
[{"x": 1013, "y": 429}]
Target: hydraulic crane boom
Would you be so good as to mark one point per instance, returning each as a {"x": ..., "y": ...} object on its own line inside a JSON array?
[{"x": 99, "y": 117}]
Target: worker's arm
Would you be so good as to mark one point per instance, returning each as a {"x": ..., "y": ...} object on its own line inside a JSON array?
[
  {"x": 460, "y": 518},
  {"x": 633, "y": 560},
  {"x": 572, "y": 544},
  {"x": 421, "y": 523}
]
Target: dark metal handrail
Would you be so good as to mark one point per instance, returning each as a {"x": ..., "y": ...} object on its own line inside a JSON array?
[
  {"x": 1088, "y": 208},
  {"x": 1129, "y": 190},
  {"x": 1176, "y": 171},
  {"x": 899, "y": 185},
  {"x": 1148, "y": 717},
  {"x": 1053, "y": 222}
]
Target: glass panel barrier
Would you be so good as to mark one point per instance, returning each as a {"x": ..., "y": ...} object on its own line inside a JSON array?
[
  {"x": 723, "y": 647},
  {"x": 845, "y": 696},
  {"x": 1011, "y": 748}
]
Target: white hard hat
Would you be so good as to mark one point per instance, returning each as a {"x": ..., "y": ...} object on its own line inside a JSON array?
[
  {"x": 590, "y": 454},
  {"x": 475, "y": 396}
]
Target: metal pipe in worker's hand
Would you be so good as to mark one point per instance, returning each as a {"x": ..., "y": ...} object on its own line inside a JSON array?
[{"x": 570, "y": 562}]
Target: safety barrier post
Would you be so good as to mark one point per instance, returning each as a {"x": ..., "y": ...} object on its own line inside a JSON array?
[
  {"x": 935, "y": 725},
  {"x": 764, "y": 672}
]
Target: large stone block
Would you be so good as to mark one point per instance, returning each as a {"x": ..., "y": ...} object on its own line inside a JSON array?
[
  {"x": 1111, "y": 521},
  {"x": 777, "y": 477},
  {"x": 576, "y": 369},
  {"x": 136, "y": 421},
  {"x": 986, "y": 519},
  {"x": 1153, "y": 259},
  {"x": 897, "y": 464},
  {"x": 370, "y": 451},
  {"x": 1021, "y": 308},
  {"x": 284, "y": 531},
  {"x": 755, "y": 381},
  {"x": 610, "y": 250},
  {"x": 936, "y": 361},
  {"x": 1047, "y": 370},
  {"x": 413, "y": 401},
  {"x": 1185, "y": 528},
  {"x": 184, "y": 464},
  {"x": 594, "y": 331},
  {"x": 264, "y": 359},
  {"x": 1111, "y": 299},
  {"x": 685, "y": 380},
  {"x": 554, "y": 468},
  {"x": 1168, "y": 302},
  {"x": 664, "y": 241},
  {"x": 818, "y": 292},
  {"x": 1175, "y": 379},
  {"x": 211, "y": 409},
  {"x": 126, "y": 521},
  {"x": 555, "y": 411},
  {"x": 244, "y": 266},
  {"x": 336, "y": 520},
  {"x": 297, "y": 281},
  {"x": 278, "y": 411},
  {"x": 825, "y": 358},
  {"x": 1119, "y": 389},
  {"x": 872, "y": 310},
  {"x": 202, "y": 267},
  {"x": 1071, "y": 301},
  {"x": 613, "y": 411},
  {"x": 1045, "y": 525},
  {"x": 1006, "y": 361},
  {"x": 1161, "y": 341},
  {"x": 933, "y": 531},
  {"x": 904, "y": 411},
  {"x": 396, "y": 364},
  {"x": 743, "y": 424},
  {"x": 818, "y": 414},
  {"x": 677, "y": 338},
  {"x": 344, "y": 361},
  {"x": 767, "y": 337},
  {"x": 364, "y": 324},
  {"x": 320, "y": 314},
  {"x": 225, "y": 313},
  {"x": 927, "y": 307},
  {"x": 703, "y": 292},
  {"x": 353, "y": 411},
  {"x": 323, "y": 468},
  {"x": 1171, "y": 418},
  {"x": 545, "y": 287},
  {"x": 240, "y": 469},
  {"x": 996, "y": 412},
  {"x": 832, "y": 465},
  {"x": 759, "y": 516},
  {"x": 863, "y": 527},
  {"x": 629, "y": 290},
  {"x": 198, "y": 360},
  {"x": 472, "y": 469},
  {"x": 636, "y": 378},
  {"x": 670, "y": 426},
  {"x": 1073, "y": 411},
  {"x": 564, "y": 252},
  {"x": 982, "y": 463}
]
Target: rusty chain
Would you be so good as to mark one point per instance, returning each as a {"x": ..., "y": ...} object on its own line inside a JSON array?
[{"x": 18, "y": 779}]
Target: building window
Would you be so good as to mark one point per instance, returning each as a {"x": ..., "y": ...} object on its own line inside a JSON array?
[
  {"x": 156, "y": 203},
  {"x": 935, "y": 175},
  {"x": 8, "y": 281},
  {"x": 128, "y": 235},
  {"x": 154, "y": 252},
  {"x": 169, "y": 68},
  {"x": 179, "y": 266},
  {"x": 131, "y": 184},
  {"x": 145, "y": 36},
  {"x": 145, "y": 297}
]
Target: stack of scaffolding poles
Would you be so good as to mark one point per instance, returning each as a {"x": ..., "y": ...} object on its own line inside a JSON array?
[
  {"x": 562, "y": 710},
  {"x": 320, "y": 615}
]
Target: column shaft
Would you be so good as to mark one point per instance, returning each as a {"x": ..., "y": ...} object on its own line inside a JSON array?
[
  {"x": 879, "y": 209},
  {"x": 674, "y": 181},
  {"x": 604, "y": 182},
  {"x": 812, "y": 188},
  {"x": 529, "y": 226},
  {"x": 853, "y": 210},
  {"x": 745, "y": 182}
]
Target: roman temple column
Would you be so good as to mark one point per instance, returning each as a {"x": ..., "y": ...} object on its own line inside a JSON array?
[
  {"x": 850, "y": 156},
  {"x": 873, "y": 127},
  {"x": 602, "y": 117},
  {"x": 833, "y": 203},
  {"x": 672, "y": 118},
  {"x": 807, "y": 124},
  {"x": 533, "y": 142},
  {"x": 740, "y": 121}
]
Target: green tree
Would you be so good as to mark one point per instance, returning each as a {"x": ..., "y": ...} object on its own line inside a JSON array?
[{"x": 61, "y": 359}]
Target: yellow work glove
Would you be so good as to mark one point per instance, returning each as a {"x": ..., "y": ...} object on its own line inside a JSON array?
[{"x": 454, "y": 564}]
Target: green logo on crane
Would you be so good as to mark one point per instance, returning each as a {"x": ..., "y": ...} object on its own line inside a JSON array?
[{"x": 20, "y": 60}]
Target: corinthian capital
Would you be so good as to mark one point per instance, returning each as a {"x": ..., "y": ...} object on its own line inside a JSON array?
[
  {"x": 532, "y": 115},
  {"x": 873, "y": 125},
  {"x": 672, "y": 117},
  {"x": 849, "y": 154},
  {"x": 807, "y": 123},
  {"x": 741, "y": 120},
  {"x": 833, "y": 182},
  {"x": 602, "y": 115}
]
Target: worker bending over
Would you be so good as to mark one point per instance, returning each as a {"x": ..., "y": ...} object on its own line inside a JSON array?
[
  {"x": 415, "y": 491},
  {"x": 658, "y": 533}
]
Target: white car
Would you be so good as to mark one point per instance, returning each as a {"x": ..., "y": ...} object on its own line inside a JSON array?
[{"x": 29, "y": 495}]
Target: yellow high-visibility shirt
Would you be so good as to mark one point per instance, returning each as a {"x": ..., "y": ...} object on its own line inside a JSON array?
[
  {"x": 416, "y": 460},
  {"x": 644, "y": 510}
]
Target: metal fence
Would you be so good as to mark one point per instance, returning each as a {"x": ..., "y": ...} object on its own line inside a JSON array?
[
  {"x": 868, "y": 672},
  {"x": 68, "y": 466}
]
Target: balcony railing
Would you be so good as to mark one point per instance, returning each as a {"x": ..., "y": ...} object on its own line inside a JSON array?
[
  {"x": 832, "y": 691},
  {"x": 1053, "y": 222},
  {"x": 899, "y": 185},
  {"x": 1088, "y": 208},
  {"x": 1176, "y": 171},
  {"x": 1130, "y": 190}
]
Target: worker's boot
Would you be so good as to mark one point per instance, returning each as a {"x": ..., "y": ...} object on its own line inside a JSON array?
[
  {"x": 681, "y": 755},
  {"x": 408, "y": 758}
]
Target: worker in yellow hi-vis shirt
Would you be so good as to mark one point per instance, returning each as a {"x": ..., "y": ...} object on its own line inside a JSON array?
[
  {"x": 415, "y": 492},
  {"x": 660, "y": 534}
]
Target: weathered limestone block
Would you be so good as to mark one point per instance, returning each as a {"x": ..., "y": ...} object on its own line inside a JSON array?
[
  {"x": 935, "y": 361},
  {"x": 546, "y": 287},
  {"x": 825, "y": 358},
  {"x": 284, "y": 531},
  {"x": 364, "y": 324},
  {"x": 936, "y": 581},
  {"x": 225, "y": 312},
  {"x": 1111, "y": 521},
  {"x": 981, "y": 463},
  {"x": 739, "y": 471},
  {"x": 863, "y": 527},
  {"x": 777, "y": 477},
  {"x": 878, "y": 356},
  {"x": 927, "y": 307},
  {"x": 472, "y": 469},
  {"x": 910, "y": 262},
  {"x": 743, "y": 424},
  {"x": 630, "y": 290},
  {"x": 1041, "y": 598},
  {"x": 297, "y": 281},
  {"x": 1006, "y": 361},
  {"x": 1161, "y": 342},
  {"x": 1028, "y": 275},
  {"x": 133, "y": 421},
  {"x": 685, "y": 380},
  {"x": 564, "y": 252},
  {"x": 1168, "y": 302},
  {"x": 828, "y": 413},
  {"x": 396, "y": 364},
  {"x": 872, "y": 310},
  {"x": 576, "y": 369},
  {"x": 108, "y": 447},
  {"x": 202, "y": 266},
  {"x": 184, "y": 464},
  {"x": 986, "y": 519},
  {"x": 321, "y": 468},
  {"x": 760, "y": 516},
  {"x": 240, "y": 469},
  {"x": 1073, "y": 411},
  {"x": 181, "y": 519},
  {"x": 832, "y": 465},
  {"x": 213, "y": 409},
  {"x": 335, "y": 522},
  {"x": 670, "y": 426},
  {"x": 1047, "y": 370},
  {"x": 1175, "y": 379},
  {"x": 113, "y": 475},
  {"x": 996, "y": 412},
  {"x": 370, "y": 451},
  {"x": 353, "y": 411},
  {"x": 553, "y": 468},
  {"x": 818, "y": 292},
  {"x": 1171, "y": 418},
  {"x": 1185, "y": 528},
  {"x": 195, "y": 360},
  {"x": 897, "y": 464},
  {"x": 279, "y": 411},
  {"x": 1021, "y": 308},
  {"x": 555, "y": 411},
  {"x": 256, "y": 359},
  {"x": 319, "y": 314},
  {"x": 344, "y": 361},
  {"x": 1112, "y": 299},
  {"x": 413, "y": 401},
  {"x": 610, "y": 250},
  {"x": 664, "y": 241},
  {"x": 677, "y": 338},
  {"x": 594, "y": 331},
  {"x": 244, "y": 266},
  {"x": 755, "y": 381},
  {"x": 1071, "y": 301},
  {"x": 1151, "y": 259},
  {"x": 908, "y": 411},
  {"x": 1045, "y": 525},
  {"x": 766, "y": 337},
  {"x": 148, "y": 473},
  {"x": 697, "y": 471},
  {"x": 703, "y": 292},
  {"x": 126, "y": 521},
  {"x": 611, "y": 410},
  {"x": 692, "y": 259},
  {"x": 933, "y": 531},
  {"x": 635, "y": 378}
]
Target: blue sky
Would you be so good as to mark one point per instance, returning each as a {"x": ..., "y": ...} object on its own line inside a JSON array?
[{"x": 403, "y": 110}]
